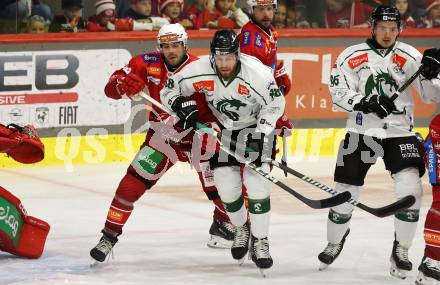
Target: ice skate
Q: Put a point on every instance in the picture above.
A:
(240, 245)
(104, 247)
(331, 252)
(400, 264)
(429, 272)
(222, 234)
(259, 253)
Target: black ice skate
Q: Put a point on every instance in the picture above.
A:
(259, 253)
(240, 246)
(222, 234)
(103, 248)
(400, 264)
(429, 272)
(331, 252)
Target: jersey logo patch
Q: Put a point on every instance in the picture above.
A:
(382, 83)
(243, 90)
(205, 85)
(228, 106)
(358, 60)
(399, 60)
(153, 70)
(151, 57)
(258, 40)
(246, 38)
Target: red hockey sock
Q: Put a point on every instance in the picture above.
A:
(432, 232)
(130, 189)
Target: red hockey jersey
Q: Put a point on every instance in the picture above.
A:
(153, 70)
(256, 42)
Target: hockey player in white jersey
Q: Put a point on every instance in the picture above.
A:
(362, 82)
(245, 99)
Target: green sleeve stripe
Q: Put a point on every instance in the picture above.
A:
(352, 54)
(199, 75)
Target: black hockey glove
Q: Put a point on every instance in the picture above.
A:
(382, 106)
(431, 63)
(187, 112)
(259, 143)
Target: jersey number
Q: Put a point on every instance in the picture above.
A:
(170, 84)
(334, 80)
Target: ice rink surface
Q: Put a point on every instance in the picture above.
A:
(164, 242)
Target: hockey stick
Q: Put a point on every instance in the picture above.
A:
(337, 199)
(381, 212)
(407, 83)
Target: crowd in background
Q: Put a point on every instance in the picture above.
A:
(40, 16)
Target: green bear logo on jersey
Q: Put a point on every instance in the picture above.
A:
(225, 105)
(380, 83)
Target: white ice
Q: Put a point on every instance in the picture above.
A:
(164, 241)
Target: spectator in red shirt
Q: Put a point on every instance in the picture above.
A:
(172, 10)
(193, 11)
(232, 16)
(208, 16)
(105, 14)
(347, 14)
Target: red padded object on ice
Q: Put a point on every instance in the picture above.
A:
(21, 143)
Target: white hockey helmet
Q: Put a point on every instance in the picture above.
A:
(253, 3)
(172, 33)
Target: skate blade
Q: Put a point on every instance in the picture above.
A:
(395, 272)
(218, 242)
(262, 272)
(323, 266)
(241, 260)
(423, 280)
(94, 263)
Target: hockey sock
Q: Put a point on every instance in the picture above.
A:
(259, 213)
(432, 232)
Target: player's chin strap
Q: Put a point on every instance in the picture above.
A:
(336, 199)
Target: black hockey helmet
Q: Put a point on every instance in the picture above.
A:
(385, 13)
(224, 42)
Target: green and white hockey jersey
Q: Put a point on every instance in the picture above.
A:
(362, 70)
(248, 98)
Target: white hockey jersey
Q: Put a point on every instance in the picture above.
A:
(251, 97)
(362, 70)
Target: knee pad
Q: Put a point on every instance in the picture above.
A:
(257, 186)
(407, 182)
(228, 182)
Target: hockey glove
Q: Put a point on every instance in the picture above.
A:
(282, 78)
(187, 112)
(21, 143)
(431, 63)
(283, 126)
(129, 85)
(382, 106)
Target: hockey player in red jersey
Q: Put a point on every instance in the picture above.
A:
(20, 234)
(258, 38)
(156, 155)
(429, 269)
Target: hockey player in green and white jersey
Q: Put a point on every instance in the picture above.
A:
(243, 96)
(362, 82)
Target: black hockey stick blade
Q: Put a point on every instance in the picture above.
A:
(317, 204)
(390, 209)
